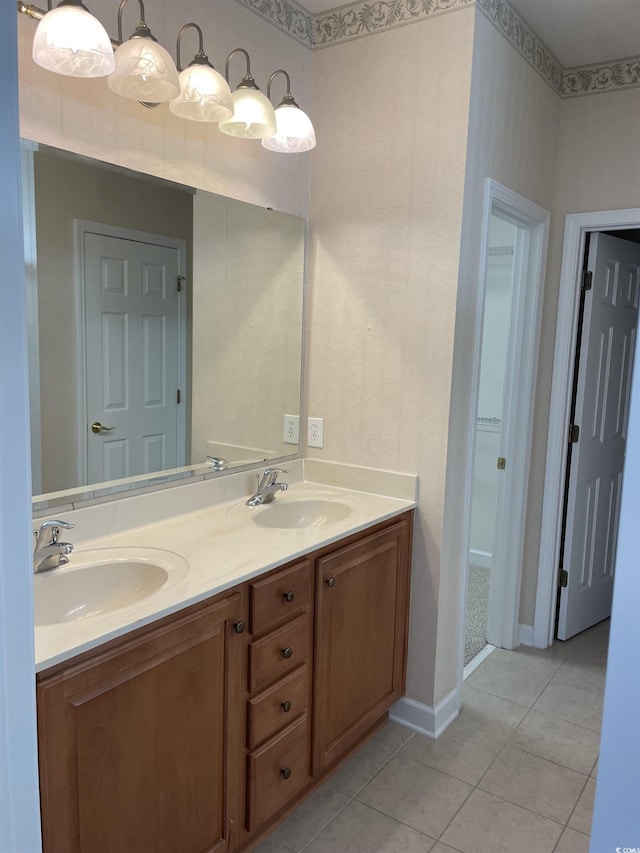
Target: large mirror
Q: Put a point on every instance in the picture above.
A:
(165, 328)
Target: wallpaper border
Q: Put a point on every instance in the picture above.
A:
(366, 17)
(286, 16)
(601, 77)
(526, 42)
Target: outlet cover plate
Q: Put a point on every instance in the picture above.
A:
(315, 432)
(291, 433)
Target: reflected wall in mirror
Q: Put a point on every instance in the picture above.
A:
(166, 325)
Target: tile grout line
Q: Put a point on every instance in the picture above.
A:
(352, 797)
(550, 760)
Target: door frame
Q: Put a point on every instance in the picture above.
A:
(526, 214)
(82, 227)
(577, 225)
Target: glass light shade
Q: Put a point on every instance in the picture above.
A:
(70, 41)
(294, 131)
(253, 115)
(204, 95)
(144, 72)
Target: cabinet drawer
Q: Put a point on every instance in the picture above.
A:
(278, 706)
(277, 771)
(279, 653)
(280, 596)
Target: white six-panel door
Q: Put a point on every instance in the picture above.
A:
(602, 409)
(132, 358)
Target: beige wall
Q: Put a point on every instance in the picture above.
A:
(66, 189)
(386, 205)
(597, 168)
(513, 126)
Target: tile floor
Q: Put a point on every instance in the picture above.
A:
(515, 772)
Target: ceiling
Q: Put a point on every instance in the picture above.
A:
(578, 32)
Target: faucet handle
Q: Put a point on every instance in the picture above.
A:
(55, 524)
(270, 475)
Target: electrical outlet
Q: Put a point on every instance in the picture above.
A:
(314, 432)
(291, 429)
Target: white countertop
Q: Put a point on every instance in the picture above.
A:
(223, 547)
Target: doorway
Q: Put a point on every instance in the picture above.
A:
(601, 387)
(511, 281)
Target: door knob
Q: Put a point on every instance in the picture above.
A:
(287, 653)
(97, 427)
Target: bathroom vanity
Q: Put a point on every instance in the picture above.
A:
(200, 730)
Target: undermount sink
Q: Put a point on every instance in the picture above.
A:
(310, 512)
(103, 580)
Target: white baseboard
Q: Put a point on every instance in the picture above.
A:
(424, 719)
(525, 635)
(480, 558)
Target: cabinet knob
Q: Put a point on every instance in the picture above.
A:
(285, 772)
(287, 652)
(331, 582)
(286, 706)
(239, 627)
(289, 596)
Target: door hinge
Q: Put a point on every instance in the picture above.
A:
(563, 578)
(574, 433)
(181, 278)
(502, 463)
(587, 280)
(178, 395)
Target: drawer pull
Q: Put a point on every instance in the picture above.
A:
(286, 706)
(331, 583)
(286, 772)
(238, 627)
(287, 652)
(289, 596)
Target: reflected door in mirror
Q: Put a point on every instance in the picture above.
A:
(132, 346)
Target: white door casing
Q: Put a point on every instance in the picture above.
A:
(506, 571)
(602, 411)
(133, 352)
(576, 227)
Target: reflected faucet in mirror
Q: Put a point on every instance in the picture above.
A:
(49, 552)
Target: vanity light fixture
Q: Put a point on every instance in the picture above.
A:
(253, 116)
(294, 131)
(70, 41)
(144, 70)
(204, 93)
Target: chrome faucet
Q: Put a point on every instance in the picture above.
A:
(267, 487)
(49, 552)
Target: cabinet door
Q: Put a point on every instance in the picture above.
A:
(362, 595)
(140, 747)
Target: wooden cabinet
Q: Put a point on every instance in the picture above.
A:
(190, 736)
(279, 701)
(361, 618)
(135, 743)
